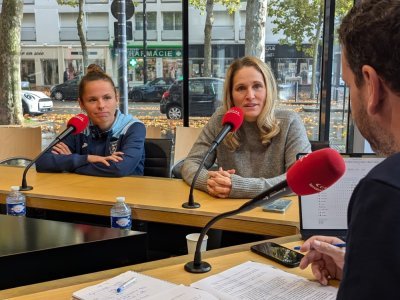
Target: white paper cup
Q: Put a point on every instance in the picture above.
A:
(192, 239)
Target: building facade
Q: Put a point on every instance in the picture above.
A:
(51, 51)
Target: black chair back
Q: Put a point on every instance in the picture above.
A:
(158, 157)
(317, 145)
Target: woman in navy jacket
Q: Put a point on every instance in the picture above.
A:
(113, 143)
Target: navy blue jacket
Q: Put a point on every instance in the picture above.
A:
(372, 261)
(127, 135)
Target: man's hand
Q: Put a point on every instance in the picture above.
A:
(115, 157)
(219, 183)
(61, 148)
(326, 259)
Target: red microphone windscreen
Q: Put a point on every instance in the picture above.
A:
(79, 122)
(233, 116)
(315, 172)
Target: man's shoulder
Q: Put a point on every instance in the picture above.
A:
(388, 171)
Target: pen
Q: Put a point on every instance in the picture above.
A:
(126, 284)
(336, 245)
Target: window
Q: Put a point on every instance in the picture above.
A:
(50, 71)
(28, 70)
(68, 30)
(151, 21)
(172, 20)
(28, 31)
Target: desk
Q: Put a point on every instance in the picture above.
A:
(151, 198)
(33, 250)
(170, 269)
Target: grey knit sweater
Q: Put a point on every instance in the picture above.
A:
(258, 167)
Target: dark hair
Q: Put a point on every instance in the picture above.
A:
(94, 72)
(94, 67)
(370, 35)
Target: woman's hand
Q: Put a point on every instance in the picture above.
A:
(115, 157)
(326, 259)
(61, 148)
(219, 183)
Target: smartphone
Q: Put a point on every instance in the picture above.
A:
(278, 253)
(279, 205)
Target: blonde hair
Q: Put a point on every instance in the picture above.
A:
(266, 121)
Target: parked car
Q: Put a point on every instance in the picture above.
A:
(67, 90)
(35, 103)
(151, 91)
(205, 95)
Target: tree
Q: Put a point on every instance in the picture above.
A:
(10, 61)
(300, 21)
(208, 7)
(79, 26)
(256, 14)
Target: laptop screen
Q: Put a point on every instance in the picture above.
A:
(325, 213)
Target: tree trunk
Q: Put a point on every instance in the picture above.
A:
(10, 62)
(256, 14)
(316, 52)
(82, 38)
(207, 38)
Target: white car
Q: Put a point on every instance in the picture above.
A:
(36, 103)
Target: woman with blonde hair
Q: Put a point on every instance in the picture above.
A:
(256, 156)
(113, 143)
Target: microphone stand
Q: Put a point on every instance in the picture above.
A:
(270, 195)
(214, 145)
(191, 203)
(24, 186)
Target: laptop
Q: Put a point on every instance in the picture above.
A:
(325, 213)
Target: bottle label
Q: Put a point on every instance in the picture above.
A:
(121, 222)
(16, 209)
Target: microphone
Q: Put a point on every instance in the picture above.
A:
(311, 174)
(75, 125)
(231, 121)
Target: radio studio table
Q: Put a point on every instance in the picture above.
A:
(152, 199)
(170, 269)
(34, 250)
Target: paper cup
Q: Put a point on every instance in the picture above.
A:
(192, 239)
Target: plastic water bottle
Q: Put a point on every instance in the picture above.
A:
(121, 215)
(16, 202)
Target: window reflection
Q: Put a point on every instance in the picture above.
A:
(297, 70)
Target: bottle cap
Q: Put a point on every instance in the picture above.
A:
(15, 188)
(119, 199)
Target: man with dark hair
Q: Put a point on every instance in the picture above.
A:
(369, 268)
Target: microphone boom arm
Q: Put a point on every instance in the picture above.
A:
(198, 266)
(24, 186)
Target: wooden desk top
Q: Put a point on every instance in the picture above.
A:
(151, 198)
(170, 269)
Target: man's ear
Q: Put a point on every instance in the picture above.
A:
(374, 90)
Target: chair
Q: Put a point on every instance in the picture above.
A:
(158, 157)
(185, 137)
(20, 142)
(317, 145)
(16, 161)
(153, 132)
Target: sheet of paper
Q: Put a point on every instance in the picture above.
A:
(182, 292)
(252, 280)
(142, 288)
(328, 209)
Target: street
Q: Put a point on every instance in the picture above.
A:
(149, 113)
